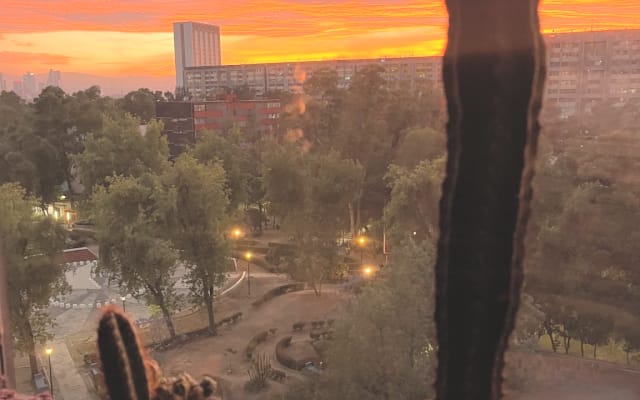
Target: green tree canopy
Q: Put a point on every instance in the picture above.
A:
(32, 247)
(120, 148)
(197, 221)
(130, 217)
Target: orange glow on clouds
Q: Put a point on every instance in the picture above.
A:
(134, 37)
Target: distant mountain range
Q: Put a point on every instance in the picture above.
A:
(115, 86)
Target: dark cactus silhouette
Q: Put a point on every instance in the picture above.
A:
(130, 374)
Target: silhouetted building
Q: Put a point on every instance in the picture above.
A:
(184, 121)
(54, 78)
(18, 88)
(195, 44)
(3, 83)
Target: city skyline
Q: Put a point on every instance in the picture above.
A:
(121, 40)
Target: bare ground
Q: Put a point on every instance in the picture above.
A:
(223, 355)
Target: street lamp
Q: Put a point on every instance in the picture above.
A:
(362, 242)
(237, 233)
(124, 303)
(48, 351)
(247, 256)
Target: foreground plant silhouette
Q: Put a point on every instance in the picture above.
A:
(130, 374)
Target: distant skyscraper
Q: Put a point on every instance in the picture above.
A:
(29, 85)
(3, 83)
(18, 88)
(195, 45)
(54, 78)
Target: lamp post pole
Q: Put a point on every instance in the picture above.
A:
(124, 303)
(49, 351)
(247, 256)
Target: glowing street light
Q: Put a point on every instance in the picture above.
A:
(237, 233)
(367, 271)
(48, 351)
(247, 256)
(362, 242)
(124, 303)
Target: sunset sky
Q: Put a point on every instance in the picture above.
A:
(134, 37)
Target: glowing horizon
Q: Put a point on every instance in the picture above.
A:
(134, 37)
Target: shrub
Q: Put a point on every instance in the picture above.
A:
(254, 342)
(279, 251)
(278, 291)
(284, 358)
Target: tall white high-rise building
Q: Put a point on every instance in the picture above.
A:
(195, 45)
(3, 83)
(30, 86)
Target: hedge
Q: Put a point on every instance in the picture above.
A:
(254, 342)
(286, 360)
(278, 291)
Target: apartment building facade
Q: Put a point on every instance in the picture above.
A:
(185, 121)
(583, 68)
(208, 82)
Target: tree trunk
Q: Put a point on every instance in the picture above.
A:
(581, 348)
(553, 343)
(167, 319)
(627, 357)
(352, 221)
(567, 344)
(68, 179)
(33, 362)
(595, 347)
(358, 212)
(209, 302)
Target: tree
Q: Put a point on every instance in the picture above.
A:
(412, 210)
(32, 247)
(594, 330)
(196, 225)
(140, 103)
(120, 148)
(24, 156)
(226, 148)
(64, 121)
(630, 336)
(310, 193)
(384, 347)
(130, 217)
(420, 144)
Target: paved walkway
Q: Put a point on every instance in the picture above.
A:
(67, 382)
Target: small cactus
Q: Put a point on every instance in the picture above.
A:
(259, 373)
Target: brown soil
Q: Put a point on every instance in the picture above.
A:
(224, 355)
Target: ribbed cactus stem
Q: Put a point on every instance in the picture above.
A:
(122, 357)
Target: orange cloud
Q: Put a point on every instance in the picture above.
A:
(125, 37)
(32, 61)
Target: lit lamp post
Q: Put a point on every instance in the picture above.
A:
(124, 303)
(236, 233)
(362, 242)
(48, 351)
(247, 256)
